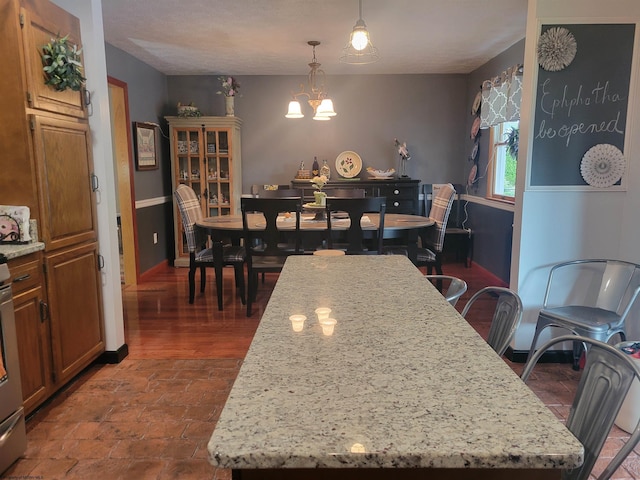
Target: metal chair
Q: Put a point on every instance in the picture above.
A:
(506, 315)
(356, 208)
(607, 376)
(592, 298)
(265, 252)
(455, 287)
(200, 257)
(430, 254)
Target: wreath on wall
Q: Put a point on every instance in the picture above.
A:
(62, 64)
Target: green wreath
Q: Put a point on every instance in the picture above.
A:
(61, 64)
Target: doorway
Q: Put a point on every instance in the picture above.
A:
(123, 165)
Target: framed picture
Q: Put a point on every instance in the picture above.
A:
(146, 146)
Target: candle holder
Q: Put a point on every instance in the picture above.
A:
(328, 325)
(297, 322)
(323, 313)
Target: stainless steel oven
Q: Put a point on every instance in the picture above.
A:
(13, 437)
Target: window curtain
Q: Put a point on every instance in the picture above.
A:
(501, 98)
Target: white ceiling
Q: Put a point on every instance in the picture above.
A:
(269, 37)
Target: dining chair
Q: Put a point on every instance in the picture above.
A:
(453, 287)
(265, 251)
(432, 238)
(201, 256)
(604, 383)
(356, 208)
(507, 314)
(592, 298)
(281, 193)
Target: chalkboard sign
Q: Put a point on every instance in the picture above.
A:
(583, 104)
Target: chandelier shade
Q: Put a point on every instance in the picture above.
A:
(317, 96)
(359, 50)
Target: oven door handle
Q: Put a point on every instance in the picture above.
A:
(5, 436)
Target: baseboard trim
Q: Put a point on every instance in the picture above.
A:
(551, 356)
(153, 270)
(116, 356)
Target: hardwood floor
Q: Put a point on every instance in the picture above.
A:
(151, 415)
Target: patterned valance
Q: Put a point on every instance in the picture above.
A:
(501, 98)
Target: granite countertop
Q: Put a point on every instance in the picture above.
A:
(15, 251)
(403, 382)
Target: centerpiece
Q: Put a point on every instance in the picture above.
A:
(318, 183)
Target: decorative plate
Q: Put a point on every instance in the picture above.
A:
(474, 151)
(475, 108)
(475, 128)
(379, 174)
(314, 206)
(348, 164)
(602, 166)
(472, 175)
(557, 48)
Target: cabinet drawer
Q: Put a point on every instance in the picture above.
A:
(25, 275)
(397, 205)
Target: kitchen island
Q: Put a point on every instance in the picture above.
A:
(402, 388)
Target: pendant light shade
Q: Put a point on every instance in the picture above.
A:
(295, 110)
(359, 50)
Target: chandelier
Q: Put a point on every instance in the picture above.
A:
(317, 96)
(359, 50)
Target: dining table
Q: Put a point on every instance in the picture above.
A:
(359, 368)
(401, 228)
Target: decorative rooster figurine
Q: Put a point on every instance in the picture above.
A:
(404, 156)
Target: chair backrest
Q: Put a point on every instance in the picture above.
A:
(356, 208)
(506, 315)
(281, 193)
(611, 285)
(346, 193)
(190, 211)
(439, 213)
(605, 380)
(452, 288)
(268, 240)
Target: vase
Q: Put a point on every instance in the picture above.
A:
(229, 105)
(320, 197)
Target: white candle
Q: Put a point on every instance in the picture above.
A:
(297, 322)
(323, 313)
(328, 325)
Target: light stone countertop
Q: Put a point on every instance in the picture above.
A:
(403, 378)
(15, 251)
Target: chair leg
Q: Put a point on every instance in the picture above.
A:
(252, 279)
(192, 284)
(218, 270)
(239, 269)
(203, 278)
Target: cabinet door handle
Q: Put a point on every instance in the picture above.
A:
(87, 97)
(22, 278)
(44, 311)
(100, 262)
(396, 204)
(396, 192)
(95, 184)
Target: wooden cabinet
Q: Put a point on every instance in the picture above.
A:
(47, 148)
(205, 154)
(402, 194)
(32, 330)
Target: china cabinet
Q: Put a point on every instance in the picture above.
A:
(205, 155)
(47, 148)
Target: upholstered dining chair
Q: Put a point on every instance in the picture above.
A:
(603, 386)
(200, 256)
(432, 238)
(593, 298)
(507, 313)
(452, 288)
(265, 251)
(356, 208)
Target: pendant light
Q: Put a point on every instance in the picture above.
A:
(359, 50)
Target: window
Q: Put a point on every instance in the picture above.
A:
(502, 163)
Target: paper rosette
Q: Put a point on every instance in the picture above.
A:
(556, 49)
(602, 166)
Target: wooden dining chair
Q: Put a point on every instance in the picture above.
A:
(265, 250)
(200, 256)
(432, 238)
(356, 208)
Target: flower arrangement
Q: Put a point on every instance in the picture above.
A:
(230, 86)
(319, 182)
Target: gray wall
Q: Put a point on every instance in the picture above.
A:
(426, 111)
(147, 90)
